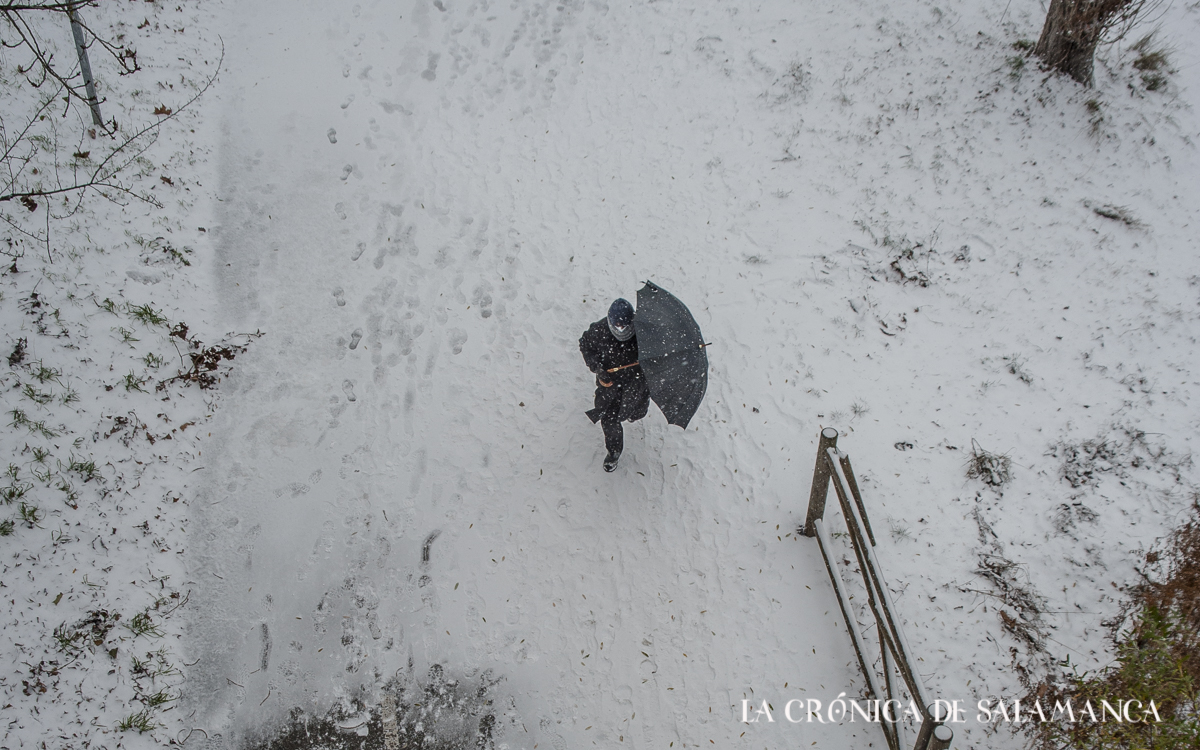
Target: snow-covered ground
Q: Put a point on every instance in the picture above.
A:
(883, 222)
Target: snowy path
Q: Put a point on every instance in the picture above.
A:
(881, 226)
(497, 177)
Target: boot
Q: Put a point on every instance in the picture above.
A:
(610, 461)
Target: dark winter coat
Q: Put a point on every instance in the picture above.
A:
(628, 398)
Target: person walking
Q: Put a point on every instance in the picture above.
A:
(610, 350)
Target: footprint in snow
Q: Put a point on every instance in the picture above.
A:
(349, 99)
(355, 338)
(431, 71)
(348, 389)
(358, 251)
(403, 241)
(336, 407)
(425, 548)
(265, 654)
(648, 668)
(482, 298)
(340, 295)
(391, 107)
(458, 337)
(340, 210)
(296, 488)
(346, 170)
(428, 595)
(332, 135)
(547, 725)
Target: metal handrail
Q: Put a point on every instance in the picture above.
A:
(899, 644)
(833, 466)
(840, 589)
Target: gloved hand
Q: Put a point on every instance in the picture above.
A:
(600, 380)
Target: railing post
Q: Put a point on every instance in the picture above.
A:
(942, 735)
(933, 735)
(844, 460)
(85, 67)
(820, 483)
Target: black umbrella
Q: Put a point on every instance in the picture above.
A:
(671, 352)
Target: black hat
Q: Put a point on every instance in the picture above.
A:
(620, 319)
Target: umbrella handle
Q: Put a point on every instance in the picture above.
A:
(635, 364)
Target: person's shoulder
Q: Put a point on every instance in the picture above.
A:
(594, 335)
(598, 328)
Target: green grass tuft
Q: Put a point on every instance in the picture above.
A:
(146, 315)
(43, 374)
(140, 721)
(127, 336)
(143, 624)
(36, 396)
(154, 361)
(85, 469)
(133, 383)
(29, 514)
(1016, 64)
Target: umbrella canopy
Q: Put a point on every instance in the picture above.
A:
(671, 352)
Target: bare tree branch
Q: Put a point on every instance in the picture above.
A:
(65, 5)
(43, 61)
(119, 158)
(35, 170)
(9, 146)
(124, 56)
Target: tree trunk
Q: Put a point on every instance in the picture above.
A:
(1073, 29)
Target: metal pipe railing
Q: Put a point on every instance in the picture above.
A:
(898, 642)
(844, 605)
(833, 466)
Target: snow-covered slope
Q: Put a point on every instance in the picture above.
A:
(97, 457)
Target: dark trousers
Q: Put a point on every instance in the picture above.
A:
(614, 436)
